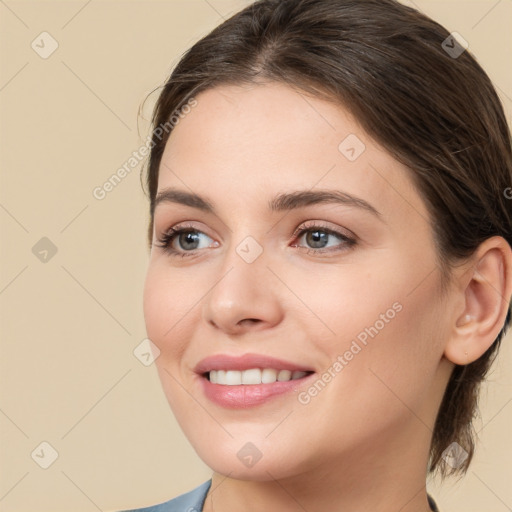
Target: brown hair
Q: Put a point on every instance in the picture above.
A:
(435, 111)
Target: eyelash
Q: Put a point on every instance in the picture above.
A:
(168, 237)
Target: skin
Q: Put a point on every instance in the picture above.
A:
(362, 442)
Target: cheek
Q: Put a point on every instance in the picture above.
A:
(165, 308)
(394, 372)
(166, 303)
(339, 303)
(387, 369)
(388, 330)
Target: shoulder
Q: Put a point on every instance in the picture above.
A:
(191, 501)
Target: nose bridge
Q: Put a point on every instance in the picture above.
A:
(245, 254)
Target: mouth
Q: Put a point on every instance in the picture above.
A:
(249, 380)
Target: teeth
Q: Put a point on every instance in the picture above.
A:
(253, 376)
(268, 376)
(284, 375)
(233, 378)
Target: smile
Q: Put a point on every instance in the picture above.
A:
(248, 380)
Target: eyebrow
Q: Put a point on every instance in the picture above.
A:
(281, 202)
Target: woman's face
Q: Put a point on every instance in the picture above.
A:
(307, 255)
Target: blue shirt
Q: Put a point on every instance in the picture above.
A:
(193, 501)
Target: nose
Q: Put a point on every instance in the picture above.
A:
(243, 297)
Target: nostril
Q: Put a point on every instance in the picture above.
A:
(251, 320)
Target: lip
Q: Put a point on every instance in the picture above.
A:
(245, 396)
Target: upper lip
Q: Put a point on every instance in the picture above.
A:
(246, 362)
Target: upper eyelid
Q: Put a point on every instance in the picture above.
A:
(324, 225)
(308, 225)
(185, 226)
(305, 225)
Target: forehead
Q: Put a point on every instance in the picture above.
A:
(243, 144)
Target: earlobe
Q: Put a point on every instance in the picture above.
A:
(486, 302)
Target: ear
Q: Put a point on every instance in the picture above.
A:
(487, 290)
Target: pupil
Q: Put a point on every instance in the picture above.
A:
(189, 238)
(315, 237)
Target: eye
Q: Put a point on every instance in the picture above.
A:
(322, 239)
(186, 238)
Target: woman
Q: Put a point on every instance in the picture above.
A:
(331, 266)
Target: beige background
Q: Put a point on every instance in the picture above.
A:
(68, 375)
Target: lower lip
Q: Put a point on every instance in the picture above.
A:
(249, 395)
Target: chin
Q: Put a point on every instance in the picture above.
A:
(261, 471)
(262, 459)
